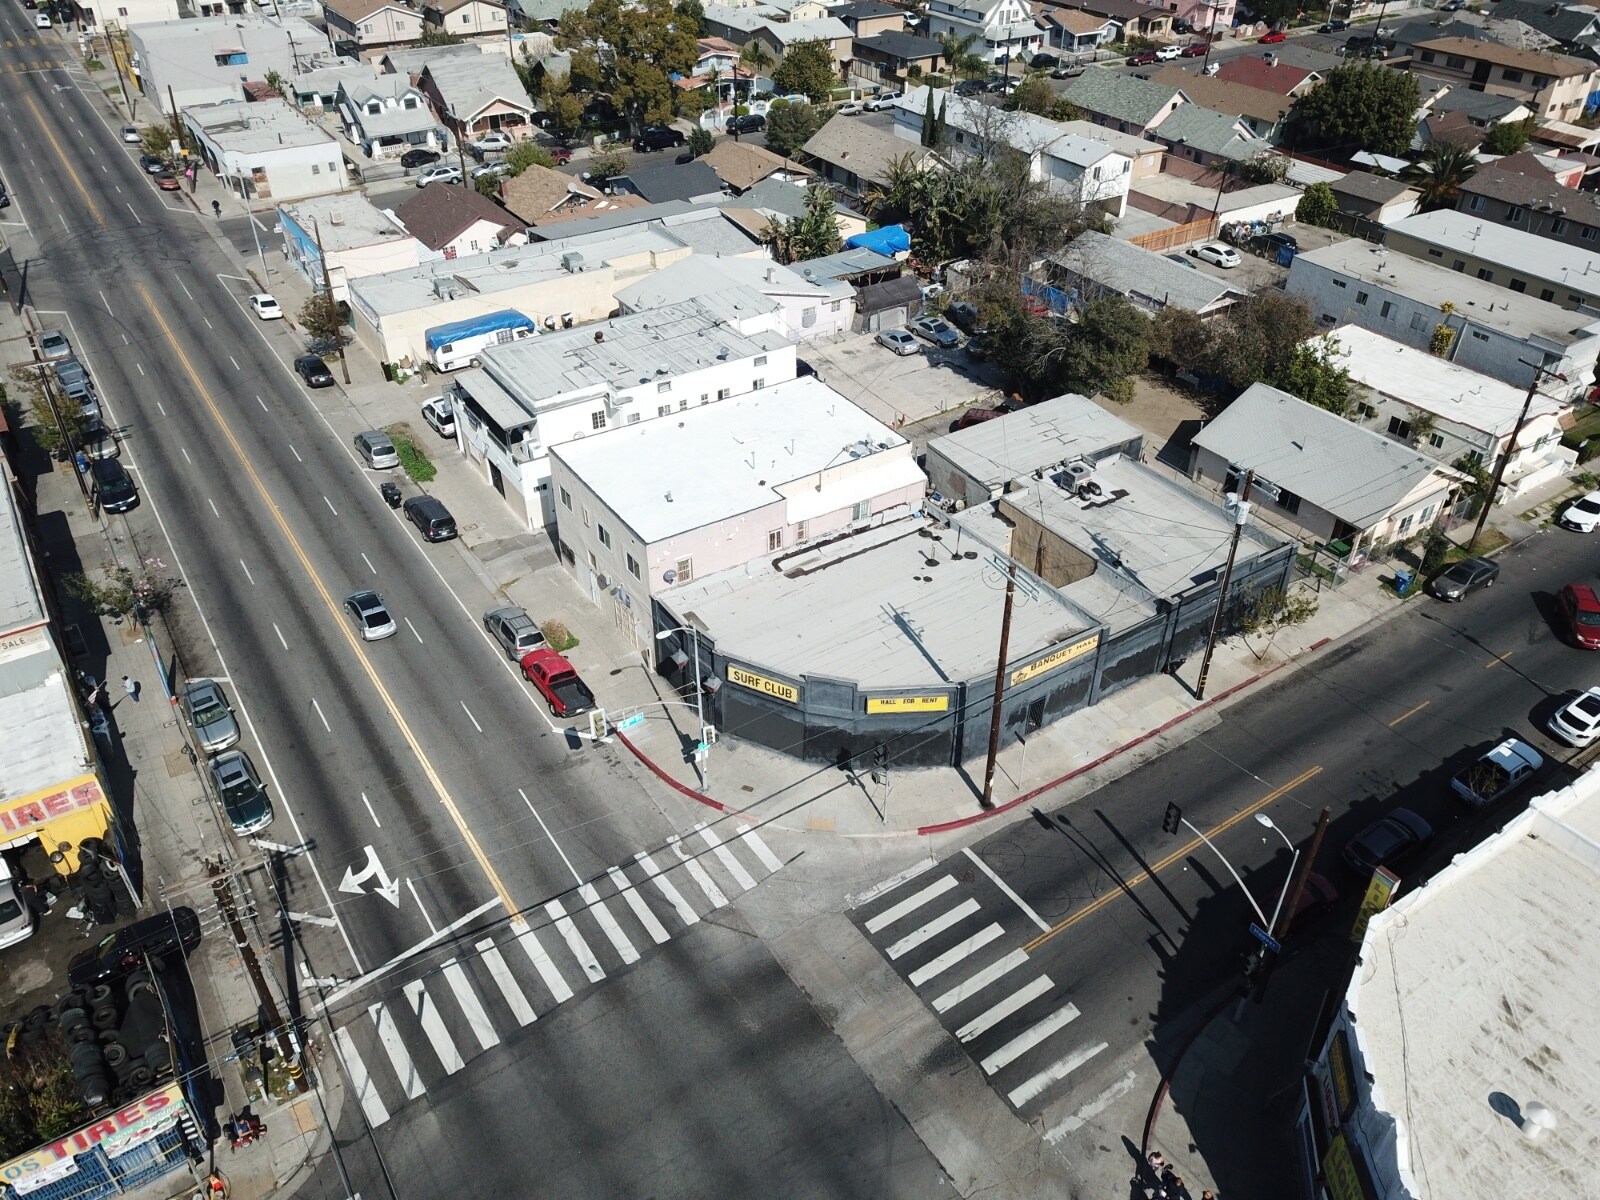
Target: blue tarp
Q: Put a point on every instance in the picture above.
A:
(506, 318)
(891, 239)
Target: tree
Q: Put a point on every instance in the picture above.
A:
(1110, 342)
(1269, 167)
(126, 592)
(1312, 373)
(156, 140)
(700, 141)
(524, 155)
(607, 164)
(1507, 137)
(47, 431)
(1317, 206)
(930, 123)
(813, 234)
(275, 82)
(439, 37)
(631, 46)
(1065, 110)
(959, 57)
(1479, 481)
(807, 69)
(755, 56)
(1357, 107)
(693, 15)
(790, 126)
(1441, 172)
(1270, 610)
(487, 186)
(1033, 95)
(321, 320)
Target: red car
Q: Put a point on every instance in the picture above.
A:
(1193, 50)
(558, 682)
(1580, 609)
(168, 182)
(1142, 59)
(1277, 35)
(561, 155)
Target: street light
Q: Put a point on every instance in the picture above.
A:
(1266, 821)
(702, 754)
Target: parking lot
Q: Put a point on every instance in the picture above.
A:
(900, 390)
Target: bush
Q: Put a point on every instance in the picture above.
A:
(413, 461)
(558, 636)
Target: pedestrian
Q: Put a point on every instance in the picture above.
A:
(131, 686)
(1156, 1161)
(216, 209)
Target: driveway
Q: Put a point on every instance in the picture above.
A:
(899, 390)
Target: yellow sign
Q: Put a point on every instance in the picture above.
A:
(28, 813)
(786, 692)
(898, 704)
(1339, 1171)
(1379, 892)
(1051, 661)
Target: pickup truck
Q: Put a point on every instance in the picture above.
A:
(1498, 773)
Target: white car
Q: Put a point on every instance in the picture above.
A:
(495, 169)
(131, 135)
(438, 173)
(41, 22)
(1577, 722)
(1167, 53)
(266, 308)
(1217, 254)
(371, 615)
(851, 108)
(492, 141)
(16, 918)
(881, 100)
(1582, 514)
(440, 415)
(898, 340)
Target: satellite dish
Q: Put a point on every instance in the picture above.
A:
(669, 576)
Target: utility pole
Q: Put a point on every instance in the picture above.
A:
(1286, 916)
(987, 801)
(1539, 373)
(333, 305)
(1241, 513)
(269, 1007)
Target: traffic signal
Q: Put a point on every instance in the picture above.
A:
(1169, 823)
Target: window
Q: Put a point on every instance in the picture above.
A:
(1288, 501)
(597, 420)
(1573, 300)
(1476, 204)
(861, 510)
(705, 397)
(1418, 321)
(834, 306)
(1366, 412)
(1436, 440)
(1514, 215)
(663, 388)
(1361, 297)
(724, 393)
(663, 410)
(605, 536)
(316, 168)
(633, 567)
(1427, 56)
(775, 540)
(410, 102)
(685, 569)
(1519, 285)
(1547, 294)
(757, 384)
(1455, 62)
(566, 499)
(1427, 514)
(633, 418)
(1475, 457)
(1590, 232)
(1387, 309)
(1405, 523)
(1480, 335)
(682, 404)
(1558, 227)
(761, 360)
(1485, 274)
(374, 108)
(1435, 253)
(1339, 283)
(1540, 81)
(586, 516)
(799, 531)
(1458, 265)
(808, 318)
(1511, 76)
(1400, 428)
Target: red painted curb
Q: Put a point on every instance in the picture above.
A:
(668, 779)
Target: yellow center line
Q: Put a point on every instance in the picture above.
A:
(1495, 662)
(333, 609)
(1409, 713)
(94, 209)
(1180, 853)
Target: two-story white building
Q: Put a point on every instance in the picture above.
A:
(386, 115)
(807, 309)
(266, 150)
(1003, 28)
(208, 60)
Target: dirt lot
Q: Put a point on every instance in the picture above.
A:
(1170, 415)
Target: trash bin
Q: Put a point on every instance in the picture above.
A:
(1403, 581)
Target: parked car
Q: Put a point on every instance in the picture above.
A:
(16, 918)
(851, 108)
(492, 142)
(210, 714)
(41, 22)
(1468, 575)
(1452, 5)
(561, 154)
(518, 634)
(1180, 259)
(882, 100)
(1042, 61)
(131, 135)
(1579, 608)
(420, 157)
(244, 800)
(1066, 71)
(70, 371)
(313, 370)
(113, 491)
(1194, 50)
(491, 169)
(53, 344)
(1583, 514)
(167, 181)
(1498, 773)
(431, 517)
(898, 340)
(970, 87)
(964, 314)
(266, 307)
(99, 442)
(373, 620)
(1143, 58)
(377, 450)
(754, 122)
(1218, 254)
(936, 330)
(1274, 37)
(152, 164)
(1167, 53)
(974, 416)
(440, 414)
(1577, 722)
(558, 682)
(658, 137)
(1387, 841)
(1334, 26)
(174, 932)
(977, 349)
(439, 173)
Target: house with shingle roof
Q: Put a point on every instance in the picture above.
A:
(1481, 108)
(1145, 20)
(857, 154)
(386, 115)
(1122, 102)
(372, 23)
(1203, 136)
(1570, 24)
(457, 221)
(474, 94)
(1272, 76)
(1002, 29)
(1096, 265)
(693, 181)
(538, 193)
(1555, 86)
(742, 165)
(897, 57)
(1263, 112)
(866, 18)
(1072, 29)
(466, 18)
(1520, 193)
(1375, 197)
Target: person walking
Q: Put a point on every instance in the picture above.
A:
(131, 686)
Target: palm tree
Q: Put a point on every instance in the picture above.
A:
(755, 56)
(1440, 174)
(959, 57)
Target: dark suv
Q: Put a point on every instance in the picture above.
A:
(749, 123)
(432, 518)
(657, 137)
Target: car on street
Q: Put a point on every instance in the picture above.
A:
(53, 344)
(371, 615)
(420, 157)
(266, 307)
(1577, 722)
(1167, 53)
(1143, 58)
(1194, 50)
(970, 87)
(658, 137)
(1334, 26)
(210, 714)
(440, 414)
(167, 181)
(41, 22)
(110, 486)
(1387, 841)
(70, 371)
(936, 330)
(898, 340)
(313, 370)
(439, 173)
(851, 108)
(1383, 32)
(558, 682)
(1498, 773)
(99, 442)
(753, 122)
(377, 450)
(518, 634)
(561, 154)
(1218, 254)
(491, 170)
(131, 135)
(1583, 514)
(174, 932)
(491, 142)
(1468, 575)
(152, 164)
(1181, 260)
(977, 349)
(431, 517)
(1043, 62)
(974, 416)
(1579, 609)
(1274, 37)
(244, 800)
(881, 100)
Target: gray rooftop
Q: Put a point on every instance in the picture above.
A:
(1032, 438)
(256, 128)
(21, 605)
(1343, 469)
(1130, 144)
(661, 182)
(502, 407)
(901, 45)
(411, 61)
(703, 227)
(1100, 90)
(1210, 133)
(227, 31)
(847, 263)
(325, 81)
(1150, 280)
(346, 222)
(1526, 254)
(468, 85)
(1365, 185)
(1480, 107)
(704, 276)
(863, 146)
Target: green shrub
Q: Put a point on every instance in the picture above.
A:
(417, 466)
(558, 636)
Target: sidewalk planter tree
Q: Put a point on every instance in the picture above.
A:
(1270, 611)
(321, 320)
(124, 592)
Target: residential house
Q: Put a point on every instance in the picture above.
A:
(1454, 128)
(316, 89)
(1205, 137)
(386, 115)
(1525, 196)
(1504, 255)
(1147, 156)
(409, 61)
(208, 60)
(1262, 112)
(693, 181)
(356, 238)
(1139, 19)
(474, 94)
(1004, 29)
(896, 58)
(266, 151)
(1121, 102)
(1573, 25)
(1481, 325)
(1566, 137)
(857, 155)
(1072, 30)
(1317, 477)
(714, 55)
(808, 309)
(1483, 109)
(777, 37)
(543, 15)
(1095, 265)
(100, 14)
(454, 222)
(537, 193)
(779, 199)
(1448, 412)
(1252, 71)
(868, 18)
(1554, 86)
(466, 18)
(1375, 197)
(742, 165)
(372, 24)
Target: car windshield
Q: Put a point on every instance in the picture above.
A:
(237, 787)
(1587, 616)
(10, 911)
(1460, 573)
(207, 710)
(1586, 505)
(1385, 840)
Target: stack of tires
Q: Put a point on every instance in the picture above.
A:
(92, 880)
(115, 1054)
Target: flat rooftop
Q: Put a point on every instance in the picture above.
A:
(346, 222)
(44, 742)
(713, 462)
(21, 605)
(1174, 189)
(899, 604)
(1040, 435)
(1480, 987)
(256, 128)
(1523, 254)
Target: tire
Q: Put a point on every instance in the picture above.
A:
(104, 1018)
(140, 1076)
(83, 1035)
(141, 987)
(553, 712)
(71, 1019)
(116, 1055)
(71, 1002)
(98, 996)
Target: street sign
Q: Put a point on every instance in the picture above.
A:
(1265, 938)
(629, 721)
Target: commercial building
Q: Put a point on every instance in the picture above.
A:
(807, 309)
(266, 150)
(208, 60)
(357, 239)
(1502, 255)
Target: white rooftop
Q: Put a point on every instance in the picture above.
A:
(226, 31)
(701, 274)
(21, 604)
(1130, 144)
(44, 741)
(1477, 990)
(1522, 254)
(346, 222)
(256, 128)
(1038, 436)
(714, 462)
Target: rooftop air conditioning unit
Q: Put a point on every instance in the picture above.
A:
(444, 289)
(1079, 471)
(572, 262)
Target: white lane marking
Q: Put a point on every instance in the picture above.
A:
(1004, 887)
(412, 888)
(932, 928)
(550, 835)
(159, 405)
(279, 632)
(1094, 1108)
(350, 986)
(482, 1027)
(209, 325)
(725, 856)
(507, 982)
(246, 571)
(263, 404)
(107, 303)
(954, 955)
(911, 903)
(399, 1056)
(186, 290)
(438, 1036)
(608, 923)
(657, 931)
(371, 1105)
(296, 453)
(213, 504)
(1054, 1073)
(990, 1017)
(753, 839)
(368, 561)
(129, 203)
(186, 457)
(1029, 1038)
(232, 359)
(575, 943)
(370, 812)
(665, 886)
(544, 964)
(698, 873)
(320, 717)
(888, 885)
(418, 636)
(969, 988)
(331, 508)
(464, 707)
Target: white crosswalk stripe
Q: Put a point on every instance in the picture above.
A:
(1028, 1039)
(698, 873)
(961, 950)
(1026, 994)
(910, 905)
(657, 931)
(1054, 1073)
(545, 965)
(477, 1019)
(399, 1058)
(427, 1013)
(591, 897)
(371, 1105)
(751, 838)
(684, 909)
(575, 943)
(933, 928)
(725, 857)
(969, 988)
(506, 982)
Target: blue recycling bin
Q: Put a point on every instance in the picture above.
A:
(1403, 581)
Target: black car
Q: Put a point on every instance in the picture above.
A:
(432, 518)
(963, 315)
(420, 157)
(749, 123)
(976, 348)
(1333, 26)
(971, 87)
(113, 490)
(1386, 842)
(1468, 575)
(314, 371)
(1040, 61)
(168, 933)
(5, 200)
(658, 137)
(152, 164)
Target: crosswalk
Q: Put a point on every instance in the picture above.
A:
(961, 947)
(432, 1027)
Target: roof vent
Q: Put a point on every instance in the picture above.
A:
(336, 218)
(599, 336)
(572, 262)
(444, 289)
(661, 368)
